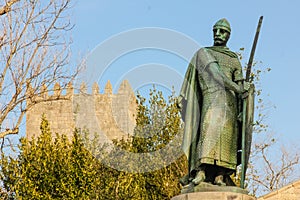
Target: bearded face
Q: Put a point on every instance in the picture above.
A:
(221, 37)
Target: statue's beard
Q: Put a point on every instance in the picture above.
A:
(219, 42)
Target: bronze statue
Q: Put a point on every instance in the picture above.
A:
(211, 101)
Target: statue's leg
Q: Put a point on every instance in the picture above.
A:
(219, 180)
(219, 177)
(223, 177)
(200, 176)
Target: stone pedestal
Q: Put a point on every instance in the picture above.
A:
(213, 196)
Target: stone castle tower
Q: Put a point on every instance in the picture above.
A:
(110, 115)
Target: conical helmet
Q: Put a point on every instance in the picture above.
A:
(223, 24)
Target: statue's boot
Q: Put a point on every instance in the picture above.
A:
(200, 177)
(219, 180)
(184, 180)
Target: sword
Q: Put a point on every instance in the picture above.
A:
(248, 76)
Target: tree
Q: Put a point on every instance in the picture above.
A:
(271, 166)
(48, 168)
(7, 7)
(34, 51)
(157, 162)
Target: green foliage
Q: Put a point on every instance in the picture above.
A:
(156, 163)
(77, 168)
(50, 168)
(157, 124)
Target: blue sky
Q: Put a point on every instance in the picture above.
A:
(278, 48)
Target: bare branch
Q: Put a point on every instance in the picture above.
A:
(273, 172)
(5, 9)
(34, 52)
(9, 132)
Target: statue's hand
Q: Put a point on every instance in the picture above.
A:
(246, 86)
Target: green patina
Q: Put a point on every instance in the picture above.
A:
(211, 106)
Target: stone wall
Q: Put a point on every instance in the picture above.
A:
(289, 192)
(110, 115)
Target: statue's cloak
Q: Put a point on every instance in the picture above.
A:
(190, 99)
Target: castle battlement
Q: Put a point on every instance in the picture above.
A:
(110, 115)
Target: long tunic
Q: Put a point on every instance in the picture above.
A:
(211, 136)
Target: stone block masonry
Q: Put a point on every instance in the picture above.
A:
(289, 192)
(110, 115)
(213, 196)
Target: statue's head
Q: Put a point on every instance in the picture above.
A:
(221, 32)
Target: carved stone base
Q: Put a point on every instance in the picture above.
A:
(207, 187)
(213, 196)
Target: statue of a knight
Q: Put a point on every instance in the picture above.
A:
(211, 107)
